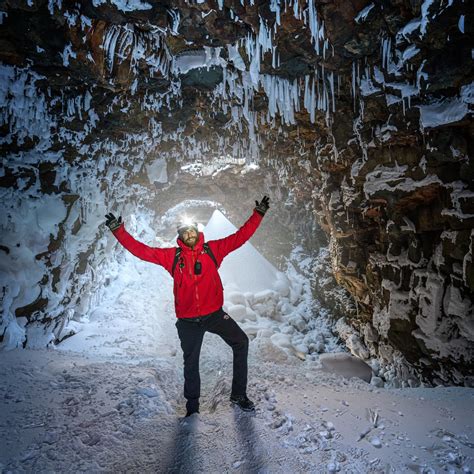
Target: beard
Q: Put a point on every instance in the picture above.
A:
(190, 240)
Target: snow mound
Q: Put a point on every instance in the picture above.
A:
(346, 365)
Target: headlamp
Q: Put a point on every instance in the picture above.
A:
(187, 224)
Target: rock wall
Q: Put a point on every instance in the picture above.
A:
(359, 116)
(399, 206)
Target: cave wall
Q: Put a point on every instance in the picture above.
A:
(362, 111)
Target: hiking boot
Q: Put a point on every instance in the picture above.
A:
(243, 402)
(191, 412)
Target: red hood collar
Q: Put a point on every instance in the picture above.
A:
(199, 244)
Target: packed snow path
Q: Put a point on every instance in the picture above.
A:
(66, 412)
(111, 400)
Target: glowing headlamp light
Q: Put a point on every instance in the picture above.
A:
(187, 224)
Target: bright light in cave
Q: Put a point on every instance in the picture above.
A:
(187, 221)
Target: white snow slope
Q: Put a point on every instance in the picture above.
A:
(110, 400)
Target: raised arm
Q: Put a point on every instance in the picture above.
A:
(163, 257)
(223, 247)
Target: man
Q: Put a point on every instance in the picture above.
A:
(199, 297)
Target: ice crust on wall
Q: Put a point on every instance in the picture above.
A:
(22, 107)
(448, 110)
(157, 171)
(29, 262)
(415, 296)
(77, 214)
(125, 5)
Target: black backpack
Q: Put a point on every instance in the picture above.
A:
(206, 248)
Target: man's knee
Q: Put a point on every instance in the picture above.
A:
(191, 358)
(243, 341)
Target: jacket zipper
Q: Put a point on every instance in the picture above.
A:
(195, 282)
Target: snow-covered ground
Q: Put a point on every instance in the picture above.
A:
(71, 412)
(110, 397)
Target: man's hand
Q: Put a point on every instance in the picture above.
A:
(262, 206)
(112, 222)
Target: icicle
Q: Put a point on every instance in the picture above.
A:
(321, 32)
(109, 46)
(296, 10)
(255, 66)
(386, 52)
(70, 108)
(354, 83)
(295, 95)
(175, 17)
(324, 100)
(275, 7)
(313, 24)
(331, 83)
(306, 99)
(87, 101)
(125, 41)
(78, 104)
(264, 37)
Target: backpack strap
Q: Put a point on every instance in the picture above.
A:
(208, 250)
(176, 258)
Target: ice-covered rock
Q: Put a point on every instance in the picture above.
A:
(237, 312)
(376, 381)
(235, 297)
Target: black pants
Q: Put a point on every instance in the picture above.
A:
(191, 333)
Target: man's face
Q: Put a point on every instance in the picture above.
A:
(190, 237)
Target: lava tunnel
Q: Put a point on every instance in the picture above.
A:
(355, 119)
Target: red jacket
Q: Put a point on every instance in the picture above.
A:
(194, 295)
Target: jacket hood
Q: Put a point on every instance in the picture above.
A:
(199, 244)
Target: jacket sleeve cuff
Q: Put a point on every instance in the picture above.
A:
(119, 230)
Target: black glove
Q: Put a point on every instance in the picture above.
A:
(263, 206)
(112, 222)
